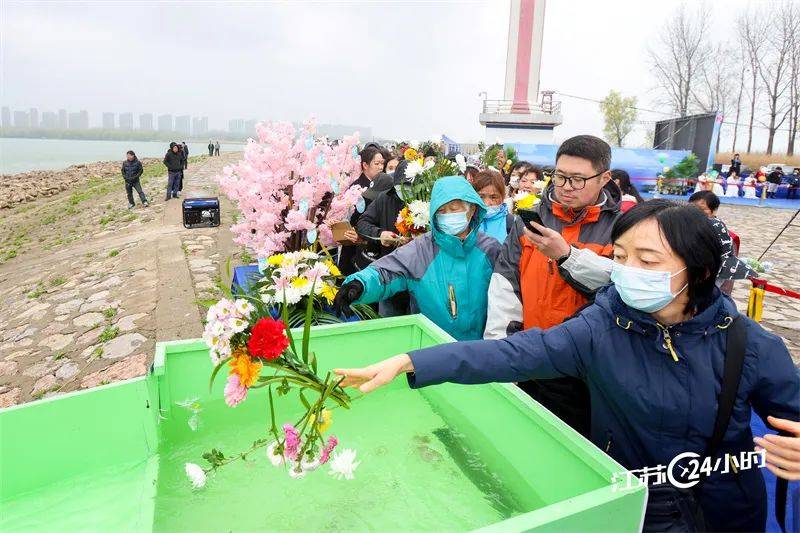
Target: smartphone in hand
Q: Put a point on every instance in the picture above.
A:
(528, 216)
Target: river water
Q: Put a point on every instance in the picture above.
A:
(22, 155)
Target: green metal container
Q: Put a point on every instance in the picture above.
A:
(448, 457)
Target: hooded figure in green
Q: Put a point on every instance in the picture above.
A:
(446, 270)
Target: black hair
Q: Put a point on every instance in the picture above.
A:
(691, 237)
(711, 199)
(625, 184)
(369, 152)
(614, 191)
(595, 149)
(131, 152)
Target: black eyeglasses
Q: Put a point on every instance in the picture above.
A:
(575, 182)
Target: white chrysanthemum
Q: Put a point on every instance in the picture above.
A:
(275, 459)
(244, 308)
(414, 144)
(308, 254)
(291, 295)
(196, 475)
(344, 464)
(461, 162)
(430, 163)
(420, 213)
(413, 168)
(238, 324)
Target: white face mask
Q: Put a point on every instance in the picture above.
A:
(645, 290)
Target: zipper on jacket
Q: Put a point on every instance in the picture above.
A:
(668, 341)
(451, 295)
(550, 266)
(608, 446)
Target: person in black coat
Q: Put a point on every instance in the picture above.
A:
(210, 148)
(173, 160)
(131, 172)
(371, 166)
(736, 165)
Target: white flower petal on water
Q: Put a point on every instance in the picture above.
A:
(194, 422)
(310, 464)
(344, 464)
(276, 460)
(196, 475)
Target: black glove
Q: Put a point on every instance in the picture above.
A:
(349, 293)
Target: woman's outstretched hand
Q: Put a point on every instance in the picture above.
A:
(369, 378)
(783, 453)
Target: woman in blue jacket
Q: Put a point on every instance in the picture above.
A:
(651, 350)
(446, 271)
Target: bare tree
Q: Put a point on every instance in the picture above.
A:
(680, 55)
(774, 67)
(794, 93)
(714, 91)
(739, 73)
(752, 27)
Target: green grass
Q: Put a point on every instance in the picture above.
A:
(97, 353)
(113, 253)
(55, 282)
(59, 356)
(246, 258)
(109, 333)
(49, 219)
(110, 312)
(37, 291)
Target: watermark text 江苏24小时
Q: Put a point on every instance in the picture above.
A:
(686, 469)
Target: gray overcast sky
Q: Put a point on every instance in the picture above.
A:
(407, 69)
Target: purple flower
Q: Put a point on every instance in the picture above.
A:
(292, 444)
(326, 452)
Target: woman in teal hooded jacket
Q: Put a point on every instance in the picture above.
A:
(446, 271)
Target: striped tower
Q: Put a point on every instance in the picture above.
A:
(521, 116)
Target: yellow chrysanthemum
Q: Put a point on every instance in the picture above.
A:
(527, 202)
(410, 154)
(326, 419)
(299, 283)
(328, 292)
(332, 268)
(275, 260)
(245, 368)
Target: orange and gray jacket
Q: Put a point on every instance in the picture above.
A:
(528, 289)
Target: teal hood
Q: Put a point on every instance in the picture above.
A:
(446, 190)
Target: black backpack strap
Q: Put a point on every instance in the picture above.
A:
(781, 491)
(731, 376)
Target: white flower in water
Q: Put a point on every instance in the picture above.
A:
(296, 471)
(310, 464)
(244, 308)
(275, 459)
(196, 475)
(343, 464)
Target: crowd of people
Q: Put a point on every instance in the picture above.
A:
(737, 184)
(607, 309)
(176, 160)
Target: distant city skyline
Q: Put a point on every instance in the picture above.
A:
(111, 120)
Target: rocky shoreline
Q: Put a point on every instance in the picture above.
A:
(16, 189)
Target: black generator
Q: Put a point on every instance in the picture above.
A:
(201, 212)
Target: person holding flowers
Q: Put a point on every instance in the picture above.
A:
(446, 270)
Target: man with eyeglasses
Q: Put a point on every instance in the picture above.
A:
(541, 280)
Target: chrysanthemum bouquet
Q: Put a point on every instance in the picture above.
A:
(259, 351)
(414, 219)
(524, 200)
(295, 277)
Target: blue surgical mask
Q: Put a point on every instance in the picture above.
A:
(492, 210)
(645, 290)
(452, 223)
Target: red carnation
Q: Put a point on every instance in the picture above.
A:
(268, 339)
